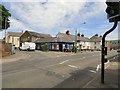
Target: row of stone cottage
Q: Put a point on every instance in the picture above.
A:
(62, 41)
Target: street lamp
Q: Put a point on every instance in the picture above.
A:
(76, 38)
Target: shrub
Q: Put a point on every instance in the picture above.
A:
(44, 47)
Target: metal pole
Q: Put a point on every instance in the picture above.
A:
(12, 44)
(76, 41)
(103, 46)
(5, 28)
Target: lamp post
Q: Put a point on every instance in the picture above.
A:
(13, 51)
(75, 41)
(76, 38)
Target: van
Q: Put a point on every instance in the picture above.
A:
(28, 46)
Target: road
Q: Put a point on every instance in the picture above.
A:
(48, 70)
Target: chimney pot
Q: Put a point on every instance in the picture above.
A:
(82, 35)
(68, 32)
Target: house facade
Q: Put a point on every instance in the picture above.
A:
(45, 41)
(66, 41)
(30, 36)
(95, 41)
(13, 37)
(108, 44)
(115, 44)
(83, 43)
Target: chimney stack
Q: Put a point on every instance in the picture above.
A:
(78, 34)
(68, 32)
(82, 35)
(96, 34)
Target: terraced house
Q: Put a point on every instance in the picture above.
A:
(95, 41)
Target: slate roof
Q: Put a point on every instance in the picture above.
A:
(17, 34)
(70, 38)
(83, 39)
(62, 37)
(45, 40)
(39, 35)
(95, 38)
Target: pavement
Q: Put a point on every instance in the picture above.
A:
(111, 78)
(15, 57)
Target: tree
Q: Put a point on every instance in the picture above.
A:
(4, 18)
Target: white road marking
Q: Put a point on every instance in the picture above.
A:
(64, 61)
(99, 66)
(92, 71)
(73, 66)
(84, 57)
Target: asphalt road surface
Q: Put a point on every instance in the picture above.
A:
(48, 70)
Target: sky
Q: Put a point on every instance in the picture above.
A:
(53, 16)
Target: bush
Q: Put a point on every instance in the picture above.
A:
(44, 47)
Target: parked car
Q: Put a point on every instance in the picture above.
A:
(28, 46)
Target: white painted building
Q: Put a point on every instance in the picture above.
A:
(95, 42)
(84, 43)
(13, 37)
